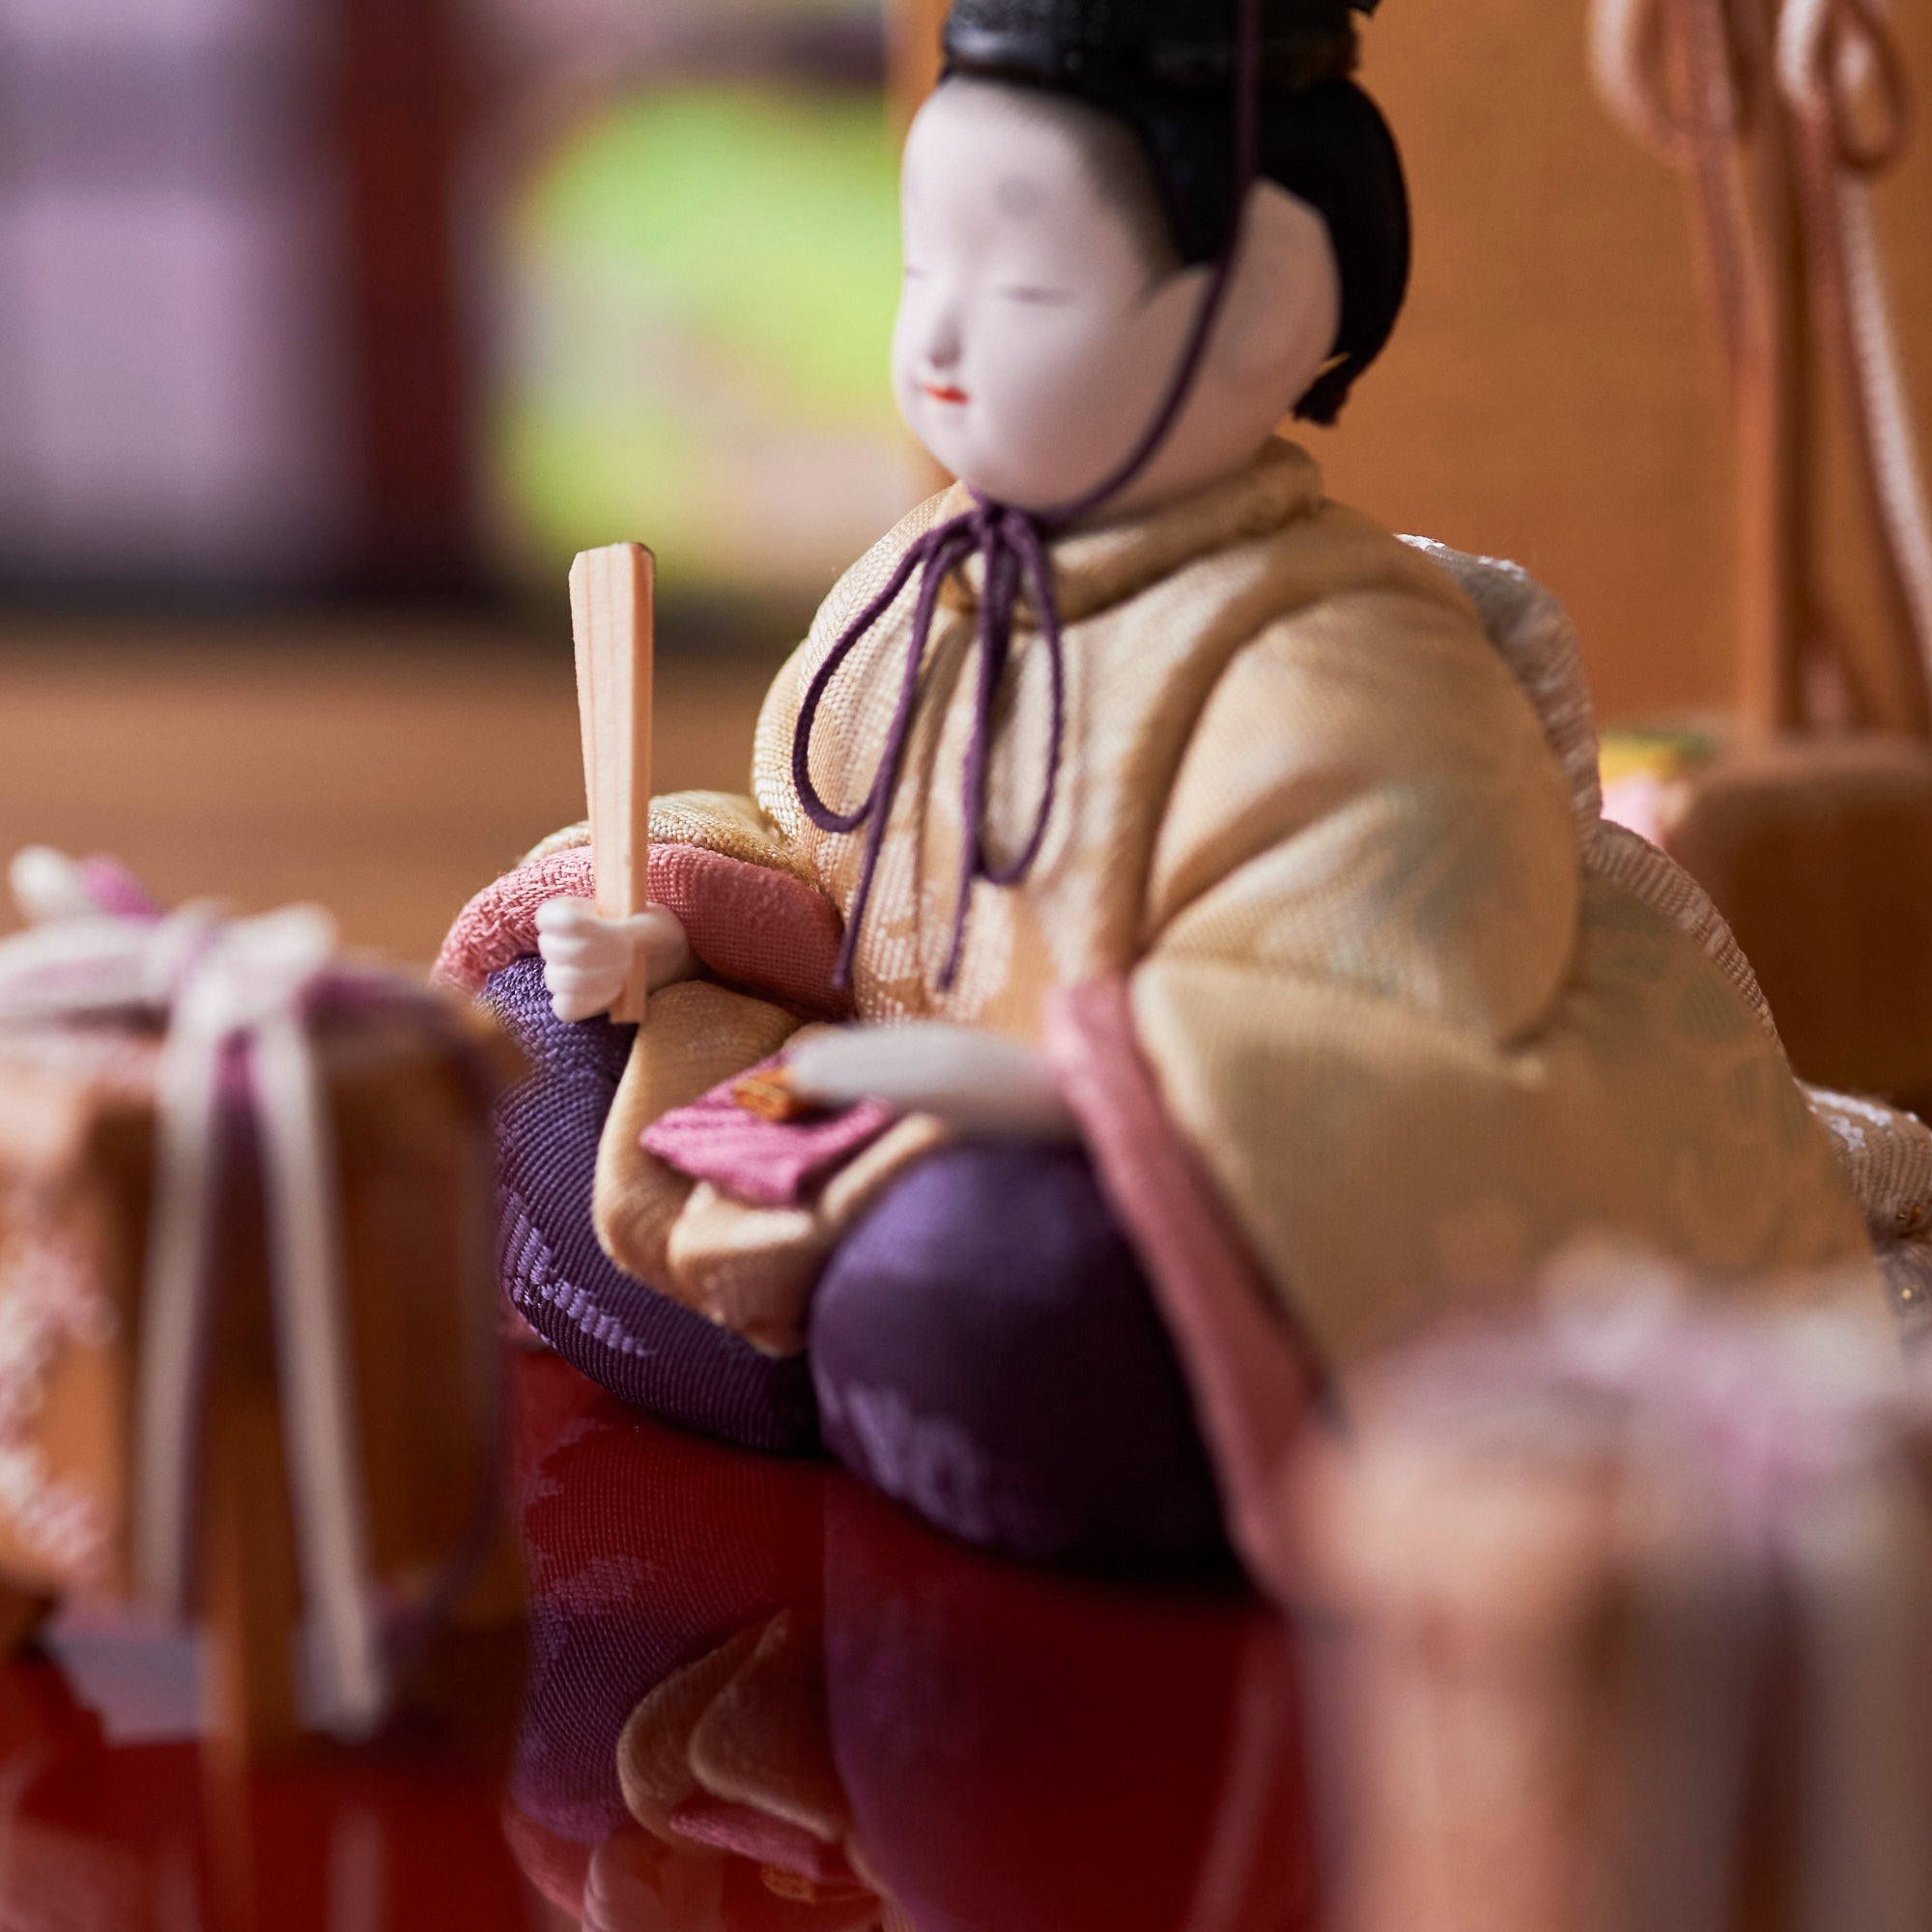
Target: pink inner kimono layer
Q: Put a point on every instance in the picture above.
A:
(770, 1163)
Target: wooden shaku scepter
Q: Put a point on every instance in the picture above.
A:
(610, 604)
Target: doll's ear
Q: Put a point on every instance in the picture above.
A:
(1285, 307)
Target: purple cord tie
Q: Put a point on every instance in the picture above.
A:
(1011, 542)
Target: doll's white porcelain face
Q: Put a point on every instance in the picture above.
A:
(1044, 313)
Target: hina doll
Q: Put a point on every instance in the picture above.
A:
(1234, 972)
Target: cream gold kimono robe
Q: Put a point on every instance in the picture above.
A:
(1310, 935)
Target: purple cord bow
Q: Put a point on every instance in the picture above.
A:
(1010, 542)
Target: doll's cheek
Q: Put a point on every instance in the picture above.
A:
(1055, 383)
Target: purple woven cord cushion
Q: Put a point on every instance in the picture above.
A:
(645, 1348)
(986, 1352)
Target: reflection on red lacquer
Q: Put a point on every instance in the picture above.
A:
(978, 1745)
(897, 1733)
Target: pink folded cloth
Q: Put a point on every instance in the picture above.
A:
(768, 1163)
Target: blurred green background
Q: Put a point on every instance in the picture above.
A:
(701, 284)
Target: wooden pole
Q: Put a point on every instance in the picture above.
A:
(611, 593)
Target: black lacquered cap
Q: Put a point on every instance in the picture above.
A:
(1175, 43)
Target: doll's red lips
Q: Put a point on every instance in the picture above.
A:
(945, 392)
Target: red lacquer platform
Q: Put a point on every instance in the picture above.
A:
(925, 1738)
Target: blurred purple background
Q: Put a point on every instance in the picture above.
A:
(311, 296)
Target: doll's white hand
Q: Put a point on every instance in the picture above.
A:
(587, 959)
(978, 1082)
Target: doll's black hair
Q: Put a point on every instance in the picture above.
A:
(1324, 141)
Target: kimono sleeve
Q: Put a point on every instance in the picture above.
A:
(1368, 804)
(1365, 893)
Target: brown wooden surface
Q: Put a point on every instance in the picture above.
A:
(388, 770)
(1817, 851)
(416, 1188)
(250, 1594)
(245, 1539)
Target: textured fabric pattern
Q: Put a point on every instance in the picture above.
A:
(1156, 611)
(1889, 1156)
(770, 1163)
(1255, 1378)
(1536, 639)
(499, 925)
(571, 838)
(748, 1267)
(645, 1550)
(1326, 827)
(1886, 1153)
(692, 1037)
(763, 929)
(753, 1269)
(620, 1332)
(985, 1351)
(726, 823)
(1620, 856)
(1315, 818)
(751, 926)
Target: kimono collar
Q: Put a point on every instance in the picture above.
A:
(1103, 564)
(1049, 582)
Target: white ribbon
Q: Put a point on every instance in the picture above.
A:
(232, 991)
